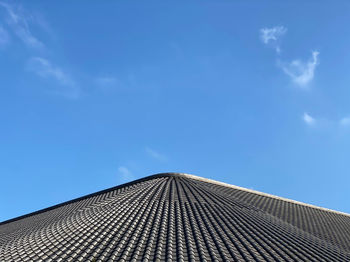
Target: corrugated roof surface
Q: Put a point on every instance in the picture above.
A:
(176, 217)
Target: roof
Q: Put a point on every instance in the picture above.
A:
(173, 216)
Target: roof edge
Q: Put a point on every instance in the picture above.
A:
(88, 195)
(259, 193)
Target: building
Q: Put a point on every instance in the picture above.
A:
(177, 217)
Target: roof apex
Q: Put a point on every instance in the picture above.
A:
(172, 174)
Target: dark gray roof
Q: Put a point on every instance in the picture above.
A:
(177, 217)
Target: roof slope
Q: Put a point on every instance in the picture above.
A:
(177, 217)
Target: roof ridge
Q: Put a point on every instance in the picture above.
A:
(259, 193)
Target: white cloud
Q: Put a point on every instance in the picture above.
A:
(272, 36)
(155, 154)
(308, 119)
(345, 121)
(4, 37)
(301, 72)
(125, 173)
(18, 21)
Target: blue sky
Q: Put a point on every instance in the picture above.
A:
(95, 94)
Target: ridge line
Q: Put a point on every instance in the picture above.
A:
(260, 193)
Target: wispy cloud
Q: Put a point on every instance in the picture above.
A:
(272, 36)
(309, 120)
(43, 68)
(18, 21)
(17, 25)
(345, 121)
(125, 173)
(106, 81)
(301, 72)
(4, 37)
(154, 154)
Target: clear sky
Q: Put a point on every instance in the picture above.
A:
(97, 93)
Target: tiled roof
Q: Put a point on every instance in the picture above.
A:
(177, 217)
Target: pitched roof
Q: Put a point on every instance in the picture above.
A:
(176, 217)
